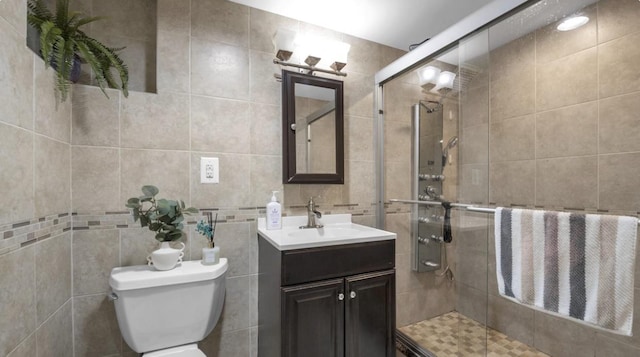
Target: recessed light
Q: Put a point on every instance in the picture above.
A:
(572, 23)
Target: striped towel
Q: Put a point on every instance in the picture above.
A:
(573, 265)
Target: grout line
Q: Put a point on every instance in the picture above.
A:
(535, 117)
(597, 110)
(33, 139)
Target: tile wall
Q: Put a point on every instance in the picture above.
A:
(67, 173)
(35, 185)
(552, 124)
(130, 24)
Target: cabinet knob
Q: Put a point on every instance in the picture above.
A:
(352, 295)
(341, 296)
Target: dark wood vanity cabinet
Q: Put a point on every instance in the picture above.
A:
(336, 301)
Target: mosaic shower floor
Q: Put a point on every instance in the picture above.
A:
(454, 335)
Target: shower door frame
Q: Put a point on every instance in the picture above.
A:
(439, 43)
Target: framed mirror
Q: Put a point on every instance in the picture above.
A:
(313, 129)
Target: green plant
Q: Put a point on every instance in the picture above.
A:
(62, 43)
(162, 216)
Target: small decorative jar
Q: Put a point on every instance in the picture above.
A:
(211, 254)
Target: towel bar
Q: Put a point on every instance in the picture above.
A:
(467, 207)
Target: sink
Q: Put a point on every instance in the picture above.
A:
(338, 229)
(328, 232)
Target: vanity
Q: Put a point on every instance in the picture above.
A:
(326, 291)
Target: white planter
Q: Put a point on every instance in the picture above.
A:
(166, 258)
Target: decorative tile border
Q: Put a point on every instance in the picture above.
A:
(23, 233)
(116, 220)
(20, 234)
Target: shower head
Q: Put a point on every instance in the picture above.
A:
(430, 105)
(445, 151)
(450, 145)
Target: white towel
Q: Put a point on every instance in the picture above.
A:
(573, 265)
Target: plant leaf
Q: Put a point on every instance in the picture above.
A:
(150, 190)
(163, 206)
(175, 235)
(190, 210)
(155, 226)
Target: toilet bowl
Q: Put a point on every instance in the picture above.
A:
(166, 313)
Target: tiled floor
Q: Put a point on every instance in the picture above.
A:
(454, 335)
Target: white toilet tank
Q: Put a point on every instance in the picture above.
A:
(162, 309)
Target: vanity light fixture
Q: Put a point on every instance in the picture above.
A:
(313, 54)
(572, 23)
(284, 42)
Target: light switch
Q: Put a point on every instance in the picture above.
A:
(209, 170)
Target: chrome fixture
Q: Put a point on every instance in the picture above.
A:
(427, 177)
(313, 54)
(445, 151)
(432, 192)
(312, 214)
(431, 264)
(423, 240)
(428, 104)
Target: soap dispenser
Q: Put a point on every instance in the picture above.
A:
(274, 213)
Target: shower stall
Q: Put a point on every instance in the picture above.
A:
(514, 107)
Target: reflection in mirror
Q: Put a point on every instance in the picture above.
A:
(313, 123)
(315, 129)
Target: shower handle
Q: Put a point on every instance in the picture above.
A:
(430, 264)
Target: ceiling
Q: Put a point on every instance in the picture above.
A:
(395, 23)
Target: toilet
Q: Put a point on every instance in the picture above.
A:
(166, 313)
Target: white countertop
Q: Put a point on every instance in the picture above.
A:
(338, 229)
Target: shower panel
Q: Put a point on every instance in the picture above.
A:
(427, 179)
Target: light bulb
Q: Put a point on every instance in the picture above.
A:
(572, 23)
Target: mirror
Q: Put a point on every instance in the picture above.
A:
(313, 129)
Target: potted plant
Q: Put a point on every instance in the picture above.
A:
(165, 217)
(63, 45)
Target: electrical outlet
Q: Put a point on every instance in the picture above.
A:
(209, 170)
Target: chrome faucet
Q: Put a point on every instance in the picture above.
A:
(312, 214)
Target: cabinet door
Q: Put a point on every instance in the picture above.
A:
(313, 319)
(370, 315)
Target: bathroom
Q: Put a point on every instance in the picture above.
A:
(68, 168)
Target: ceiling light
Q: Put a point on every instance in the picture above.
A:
(429, 74)
(572, 23)
(446, 79)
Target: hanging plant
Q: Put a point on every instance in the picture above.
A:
(63, 45)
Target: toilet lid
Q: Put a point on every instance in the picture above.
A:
(180, 351)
